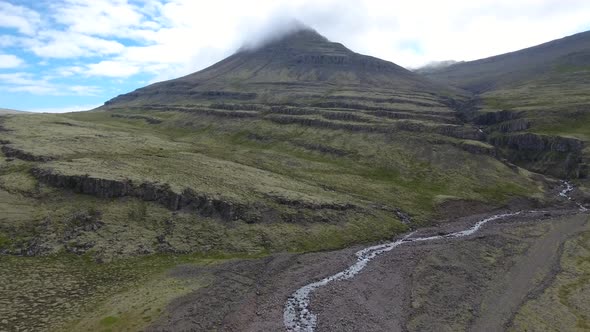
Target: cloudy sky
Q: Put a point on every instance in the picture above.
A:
(75, 54)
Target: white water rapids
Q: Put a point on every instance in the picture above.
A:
(297, 315)
(564, 193)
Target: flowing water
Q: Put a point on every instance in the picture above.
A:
(565, 193)
(297, 315)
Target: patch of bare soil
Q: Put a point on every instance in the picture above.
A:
(474, 283)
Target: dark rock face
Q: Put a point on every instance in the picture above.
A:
(460, 132)
(492, 118)
(148, 119)
(12, 152)
(413, 115)
(237, 107)
(313, 206)
(513, 125)
(188, 199)
(360, 106)
(476, 149)
(554, 155)
(503, 121)
(160, 193)
(322, 148)
(446, 130)
(535, 142)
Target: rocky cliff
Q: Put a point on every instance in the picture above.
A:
(160, 193)
(553, 155)
(215, 207)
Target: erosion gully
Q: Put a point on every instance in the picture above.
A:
(297, 316)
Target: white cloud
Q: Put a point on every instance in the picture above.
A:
(68, 71)
(35, 89)
(27, 82)
(107, 18)
(23, 19)
(83, 90)
(65, 44)
(10, 61)
(112, 69)
(18, 78)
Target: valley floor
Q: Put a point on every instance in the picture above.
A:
(522, 273)
(529, 272)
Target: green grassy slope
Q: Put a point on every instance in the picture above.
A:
(300, 187)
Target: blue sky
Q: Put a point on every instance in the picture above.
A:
(75, 54)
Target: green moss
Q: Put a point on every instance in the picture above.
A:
(5, 241)
(75, 293)
(109, 321)
(502, 191)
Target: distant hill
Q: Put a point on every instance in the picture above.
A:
(563, 55)
(434, 66)
(10, 111)
(534, 102)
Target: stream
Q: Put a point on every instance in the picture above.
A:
(297, 316)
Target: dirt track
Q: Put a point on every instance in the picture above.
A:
(476, 283)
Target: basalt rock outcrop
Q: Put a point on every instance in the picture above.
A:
(160, 193)
(148, 119)
(491, 118)
(536, 142)
(502, 121)
(463, 132)
(553, 155)
(12, 152)
(205, 205)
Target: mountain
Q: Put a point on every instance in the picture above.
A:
(302, 64)
(563, 55)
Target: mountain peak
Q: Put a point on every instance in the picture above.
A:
(295, 35)
(298, 43)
